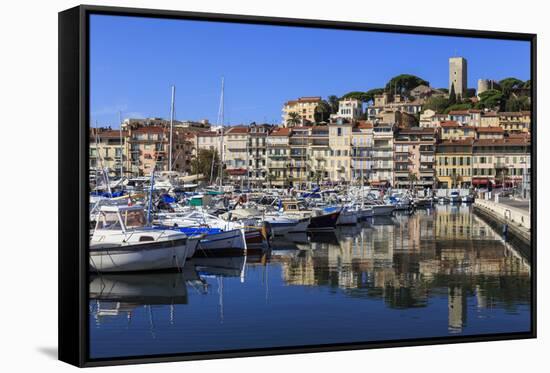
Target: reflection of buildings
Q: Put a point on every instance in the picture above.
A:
(457, 309)
(406, 259)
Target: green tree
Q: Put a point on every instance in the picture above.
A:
(322, 112)
(509, 85)
(437, 104)
(202, 163)
(364, 96)
(461, 106)
(333, 102)
(452, 95)
(294, 119)
(518, 103)
(404, 83)
(491, 99)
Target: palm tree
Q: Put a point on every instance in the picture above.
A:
(294, 119)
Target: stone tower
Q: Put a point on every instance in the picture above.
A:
(458, 76)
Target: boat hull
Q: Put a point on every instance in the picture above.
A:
(288, 227)
(382, 210)
(347, 218)
(163, 255)
(323, 222)
(224, 243)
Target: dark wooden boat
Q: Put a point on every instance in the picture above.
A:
(323, 222)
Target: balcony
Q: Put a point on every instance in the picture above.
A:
(382, 154)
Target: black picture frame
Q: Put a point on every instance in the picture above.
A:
(74, 113)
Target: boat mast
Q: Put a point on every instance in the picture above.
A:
(150, 202)
(171, 124)
(220, 122)
(121, 146)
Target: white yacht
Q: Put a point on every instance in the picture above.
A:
(122, 242)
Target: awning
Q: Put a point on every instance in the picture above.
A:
(236, 171)
(480, 181)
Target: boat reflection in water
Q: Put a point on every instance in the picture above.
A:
(437, 272)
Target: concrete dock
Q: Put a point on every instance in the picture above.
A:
(510, 216)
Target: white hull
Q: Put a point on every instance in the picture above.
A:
(232, 239)
(281, 225)
(141, 257)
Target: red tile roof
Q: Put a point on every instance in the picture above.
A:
(490, 129)
(502, 142)
(457, 142)
(207, 134)
(308, 99)
(281, 131)
(450, 124)
(149, 129)
(109, 134)
(237, 130)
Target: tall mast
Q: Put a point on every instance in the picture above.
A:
(220, 122)
(171, 124)
(121, 146)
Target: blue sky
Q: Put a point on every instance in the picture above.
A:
(134, 61)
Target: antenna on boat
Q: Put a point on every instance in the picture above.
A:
(171, 124)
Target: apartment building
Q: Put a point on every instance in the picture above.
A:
(349, 109)
(454, 163)
(471, 117)
(340, 135)
(109, 151)
(304, 107)
(396, 103)
(361, 148)
(257, 153)
(299, 155)
(319, 153)
(209, 140)
(278, 156)
(453, 130)
(489, 133)
(414, 158)
(502, 162)
(382, 155)
(149, 147)
(489, 119)
(515, 122)
(235, 152)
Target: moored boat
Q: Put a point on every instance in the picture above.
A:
(121, 242)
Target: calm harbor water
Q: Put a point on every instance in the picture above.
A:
(438, 272)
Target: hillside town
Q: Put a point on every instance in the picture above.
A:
(399, 136)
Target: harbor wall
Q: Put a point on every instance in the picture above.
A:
(516, 232)
(512, 215)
